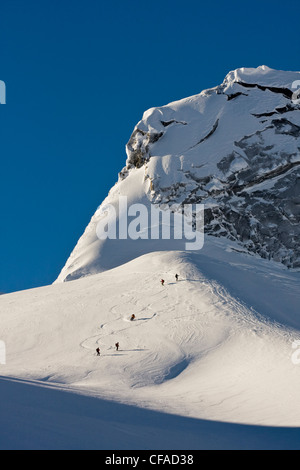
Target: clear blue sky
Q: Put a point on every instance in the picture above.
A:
(79, 75)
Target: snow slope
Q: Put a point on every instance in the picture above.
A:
(38, 417)
(215, 346)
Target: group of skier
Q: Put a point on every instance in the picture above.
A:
(132, 318)
(117, 345)
(162, 281)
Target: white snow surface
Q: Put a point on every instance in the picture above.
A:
(203, 356)
(209, 361)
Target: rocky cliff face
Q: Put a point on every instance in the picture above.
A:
(234, 148)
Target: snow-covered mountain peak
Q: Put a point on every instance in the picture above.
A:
(204, 351)
(234, 148)
(262, 75)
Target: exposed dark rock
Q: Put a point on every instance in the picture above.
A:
(209, 134)
(284, 109)
(235, 95)
(265, 114)
(254, 198)
(283, 91)
(138, 148)
(283, 126)
(173, 121)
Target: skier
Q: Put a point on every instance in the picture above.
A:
(98, 351)
(132, 317)
(162, 282)
(117, 346)
(176, 277)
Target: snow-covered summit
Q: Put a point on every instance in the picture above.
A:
(234, 148)
(262, 75)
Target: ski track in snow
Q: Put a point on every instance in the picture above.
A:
(193, 349)
(113, 328)
(181, 326)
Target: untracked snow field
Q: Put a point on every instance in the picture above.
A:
(207, 363)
